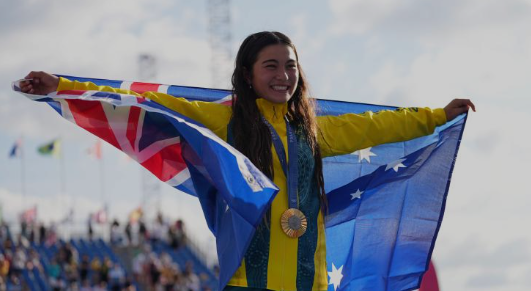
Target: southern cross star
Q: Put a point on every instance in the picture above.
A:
(395, 165)
(356, 195)
(364, 154)
(335, 276)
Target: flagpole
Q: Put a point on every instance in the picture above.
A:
(63, 185)
(102, 177)
(102, 187)
(22, 172)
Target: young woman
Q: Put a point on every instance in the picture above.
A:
(272, 122)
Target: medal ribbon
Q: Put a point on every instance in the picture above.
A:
(291, 168)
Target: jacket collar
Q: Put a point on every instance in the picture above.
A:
(273, 112)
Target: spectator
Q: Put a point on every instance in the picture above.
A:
(54, 275)
(70, 253)
(84, 268)
(115, 233)
(31, 235)
(33, 258)
(42, 233)
(129, 233)
(51, 237)
(4, 231)
(18, 262)
(104, 270)
(154, 271)
(89, 228)
(191, 280)
(23, 228)
(71, 274)
(138, 266)
(167, 272)
(176, 234)
(95, 267)
(116, 277)
(158, 229)
(143, 235)
(14, 284)
(4, 268)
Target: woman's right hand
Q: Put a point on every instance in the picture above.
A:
(39, 83)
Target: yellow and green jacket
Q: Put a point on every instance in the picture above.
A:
(273, 260)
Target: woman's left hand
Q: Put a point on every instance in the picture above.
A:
(457, 107)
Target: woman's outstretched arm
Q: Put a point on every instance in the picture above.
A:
(347, 133)
(212, 115)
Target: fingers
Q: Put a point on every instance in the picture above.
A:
(35, 75)
(29, 86)
(38, 82)
(26, 86)
(457, 107)
(471, 105)
(32, 79)
(466, 103)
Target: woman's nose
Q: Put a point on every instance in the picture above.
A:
(282, 75)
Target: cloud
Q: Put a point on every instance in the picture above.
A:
(359, 16)
(427, 19)
(468, 261)
(82, 39)
(433, 50)
(485, 280)
(472, 252)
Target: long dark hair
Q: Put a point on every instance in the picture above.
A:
(251, 134)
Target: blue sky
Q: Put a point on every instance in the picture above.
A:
(404, 53)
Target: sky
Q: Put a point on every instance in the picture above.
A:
(402, 53)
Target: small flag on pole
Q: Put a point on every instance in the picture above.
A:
(100, 217)
(29, 215)
(16, 150)
(52, 148)
(95, 150)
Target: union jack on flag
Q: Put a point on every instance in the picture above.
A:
(386, 203)
(142, 134)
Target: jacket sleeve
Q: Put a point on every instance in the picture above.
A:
(212, 115)
(339, 135)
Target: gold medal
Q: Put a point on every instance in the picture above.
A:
(293, 222)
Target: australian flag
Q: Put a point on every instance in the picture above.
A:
(386, 203)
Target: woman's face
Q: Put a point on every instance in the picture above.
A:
(275, 73)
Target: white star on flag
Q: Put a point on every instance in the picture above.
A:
(335, 276)
(395, 165)
(364, 154)
(356, 195)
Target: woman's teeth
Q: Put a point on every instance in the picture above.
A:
(280, 88)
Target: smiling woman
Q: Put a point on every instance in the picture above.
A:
(275, 73)
(272, 122)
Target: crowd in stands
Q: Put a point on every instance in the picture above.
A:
(138, 233)
(160, 272)
(67, 269)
